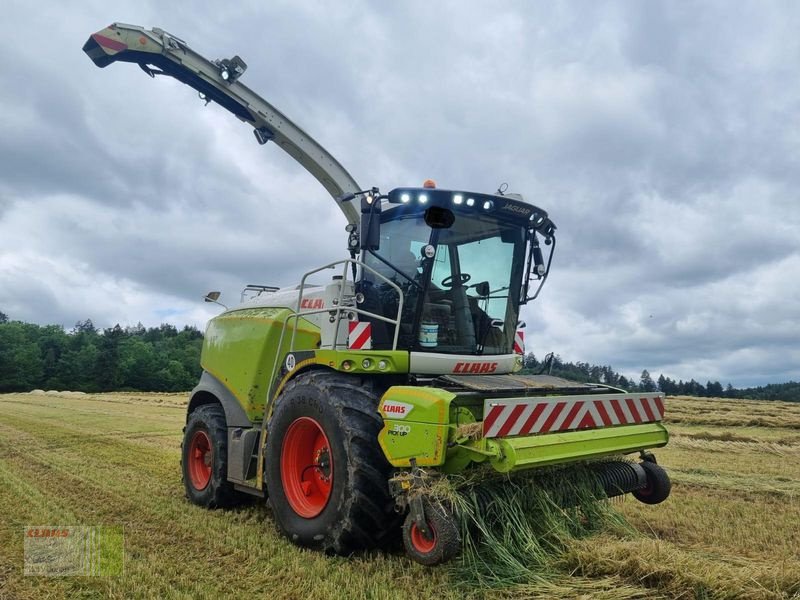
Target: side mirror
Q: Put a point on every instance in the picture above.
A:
(482, 289)
(370, 222)
(214, 297)
(538, 260)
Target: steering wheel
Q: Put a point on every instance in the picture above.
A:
(448, 281)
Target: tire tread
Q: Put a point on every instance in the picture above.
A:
(367, 518)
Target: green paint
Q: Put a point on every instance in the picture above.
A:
(402, 441)
(467, 452)
(557, 448)
(525, 452)
(431, 429)
(241, 347)
(423, 430)
(397, 361)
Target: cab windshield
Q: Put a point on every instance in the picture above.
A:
(461, 283)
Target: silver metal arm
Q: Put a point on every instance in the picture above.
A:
(160, 53)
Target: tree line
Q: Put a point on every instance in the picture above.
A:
(165, 359)
(588, 373)
(87, 359)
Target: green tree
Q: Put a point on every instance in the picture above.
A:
(107, 369)
(172, 377)
(646, 383)
(529, 361)
(667, 385)
(20, 357)
(138, 364)
(53, 342)
(610, 377)
(85, 327)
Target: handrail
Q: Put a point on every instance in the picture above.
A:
(296, 314)
(250, 287)
(338, 301)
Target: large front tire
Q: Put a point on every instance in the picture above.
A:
(204, 459)
(326, 476)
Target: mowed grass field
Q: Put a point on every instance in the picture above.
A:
(731, 528)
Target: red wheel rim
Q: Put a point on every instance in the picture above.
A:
(200, 459)
(306, 467)
(420, 542)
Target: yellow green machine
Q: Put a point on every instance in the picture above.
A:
(339, 400)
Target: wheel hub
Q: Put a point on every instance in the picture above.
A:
(306, 467)
(423, 543)
(322, 462)
(200, 458)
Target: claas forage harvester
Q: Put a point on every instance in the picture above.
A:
(340, 401)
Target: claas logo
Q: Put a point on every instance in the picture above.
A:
(476, 367)
(397, 410)
(312, 303)
(46, 532)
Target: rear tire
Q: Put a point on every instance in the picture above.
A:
(326, 475)
(204, 459)
(658, 484)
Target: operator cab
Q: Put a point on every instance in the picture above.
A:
(463, 262)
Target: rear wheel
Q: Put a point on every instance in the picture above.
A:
(198, 460)
(326, 476)
(204, 458)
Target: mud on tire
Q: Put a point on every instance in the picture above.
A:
(347, 502)
(204, 459)
(441, 545)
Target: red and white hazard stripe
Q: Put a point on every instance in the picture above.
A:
(519, 342)
(504, 418)
(360, 337)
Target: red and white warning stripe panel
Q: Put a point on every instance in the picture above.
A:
(360, 337)
(519, 342)
(526, 416)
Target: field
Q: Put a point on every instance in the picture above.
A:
(731, 528)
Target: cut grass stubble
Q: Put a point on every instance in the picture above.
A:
(730, 529)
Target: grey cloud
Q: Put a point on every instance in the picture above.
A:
(662, 139)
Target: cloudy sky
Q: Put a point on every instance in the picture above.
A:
(662, 137)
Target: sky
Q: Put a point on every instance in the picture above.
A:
(663, 138)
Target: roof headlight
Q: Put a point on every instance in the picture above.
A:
(230, 69)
